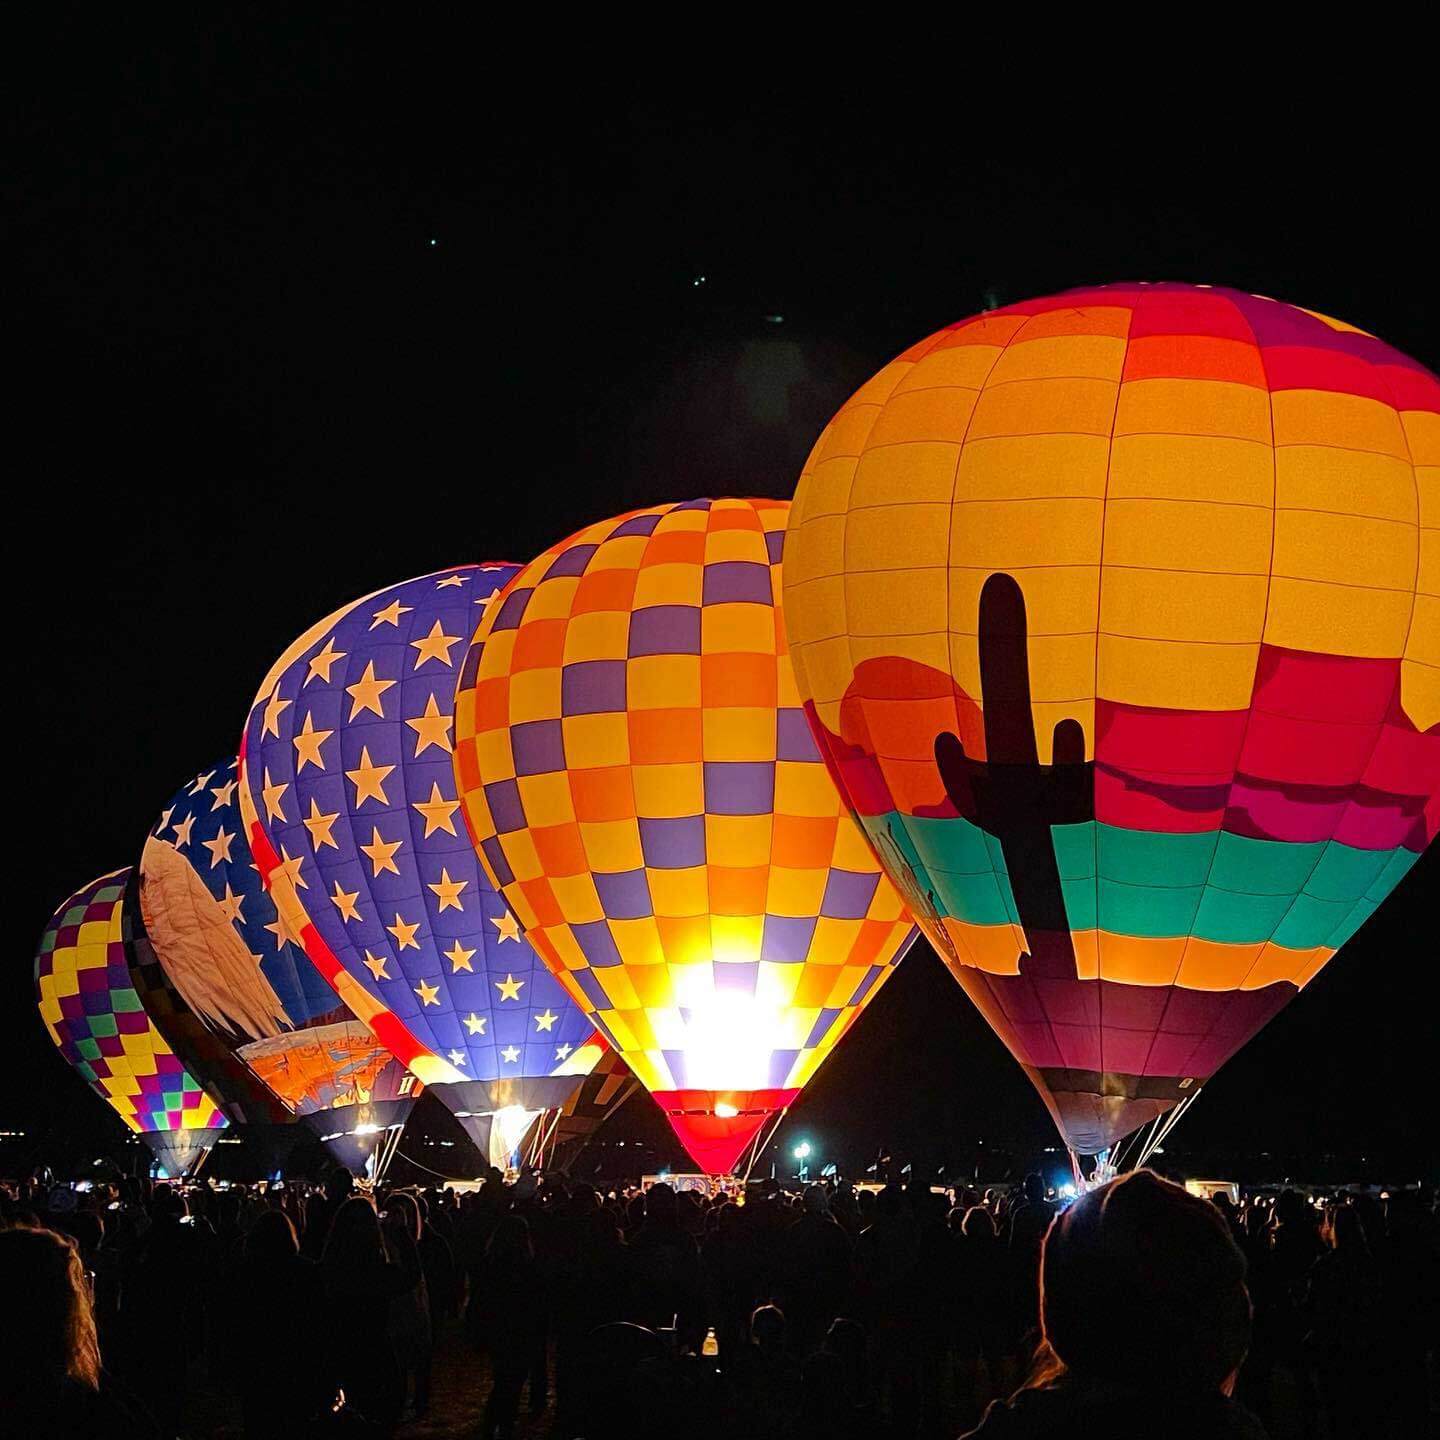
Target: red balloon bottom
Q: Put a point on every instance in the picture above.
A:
(715, 1126)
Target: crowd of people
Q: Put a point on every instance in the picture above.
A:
(1138, 1309)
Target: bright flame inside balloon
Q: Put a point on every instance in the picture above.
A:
(725, 1110)
(727, 1037)
(366, 1129)
(507, 1130)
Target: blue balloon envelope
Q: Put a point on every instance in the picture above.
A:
(350, 806)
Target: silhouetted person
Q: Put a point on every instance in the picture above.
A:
(886, 1256)
(513, 1322)
(1410, 1276)
(816, 1271)
(437, 1259)
(981, 1320)
(361, 1280)
(1342, 1301)
(163, 1291)
(281, 1362)
(321, 1210)
(666, 1267)
(766, 1378)
(51, 1383)
(837, 1397)
(1145, 1319)
(1029, 1221)
(728, 1260)
(410, 1329)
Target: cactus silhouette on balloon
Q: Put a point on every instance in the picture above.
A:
(1010, 794)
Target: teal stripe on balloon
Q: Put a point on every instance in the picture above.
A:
(1231, 889)
(1235, 918)
(1396, 868)
(1347, 874)
(1152, 858)
(1263, 867)
(1153, 911)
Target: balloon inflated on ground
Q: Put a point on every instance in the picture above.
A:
(349, 803)
(1116, 617)
(238, 998)
(646, 794)
(90, 1007)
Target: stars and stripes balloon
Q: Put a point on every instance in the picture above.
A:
(644, 789)
(1117, 615)
(349, 803)
(236, 995)
(90, 1007)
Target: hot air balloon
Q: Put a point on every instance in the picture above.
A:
(349, 804)
(557, 1137)
(643, 788)
(238, 999)
(1115, 616)
(94, 1016)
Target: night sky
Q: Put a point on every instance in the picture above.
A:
(318, 310)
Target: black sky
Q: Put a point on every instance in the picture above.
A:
(318, 308)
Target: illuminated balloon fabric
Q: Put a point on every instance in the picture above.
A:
(556, 1146)
(349, 801)
(1116, 616)
(94, 1016)
(643, 787)
(234, 994)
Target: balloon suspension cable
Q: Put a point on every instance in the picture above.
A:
(1171, 1120)
(385, 1151)
(200, 1160)
(763, 1137)
(410, 1160)
(1141, 1138)
(1123, 1149)
(541, 1145)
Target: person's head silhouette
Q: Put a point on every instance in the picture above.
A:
(52, 1344)
(339, 1183)
(1141, 1285)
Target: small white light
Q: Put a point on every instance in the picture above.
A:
(724, 1110)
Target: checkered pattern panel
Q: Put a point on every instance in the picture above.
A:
(643, 787)
(94, 1016)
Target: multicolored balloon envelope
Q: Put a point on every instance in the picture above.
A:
(644, 789)
(349, 805)
(237, 997)
(89, 1005)
(1116, 616)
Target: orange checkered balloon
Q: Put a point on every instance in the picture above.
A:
(644, 789)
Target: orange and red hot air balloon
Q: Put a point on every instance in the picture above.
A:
(1117, 617)
(646, 794)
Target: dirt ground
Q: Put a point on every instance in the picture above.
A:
(460, 1387)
